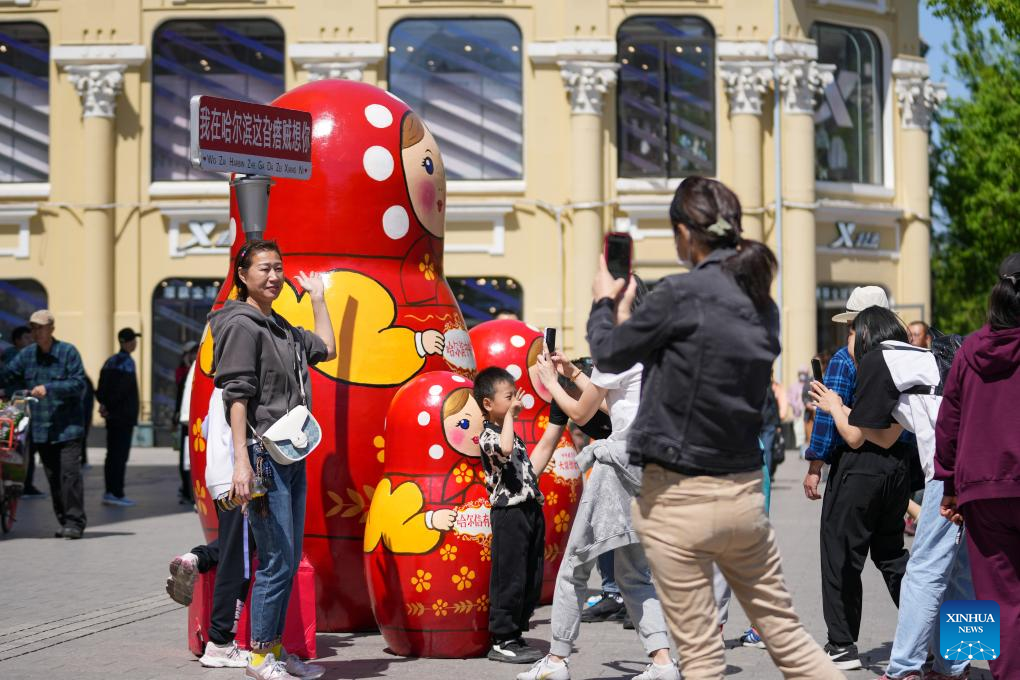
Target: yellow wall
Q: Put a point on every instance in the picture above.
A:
(532, 248)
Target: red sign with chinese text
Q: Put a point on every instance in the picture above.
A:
(238, 137)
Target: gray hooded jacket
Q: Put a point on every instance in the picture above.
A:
(254, 361)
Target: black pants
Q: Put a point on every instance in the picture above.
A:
(182, 436)
(233, 573)
(518, 554)
(62, 462)
(862, 512)
(118, 448)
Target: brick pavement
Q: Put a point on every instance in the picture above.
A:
(95, 608)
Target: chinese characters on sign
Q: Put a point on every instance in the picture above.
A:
(238, 137)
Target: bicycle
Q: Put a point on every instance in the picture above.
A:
(15, 416)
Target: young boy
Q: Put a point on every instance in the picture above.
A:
(518, 527)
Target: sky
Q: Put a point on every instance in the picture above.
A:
(937, 32)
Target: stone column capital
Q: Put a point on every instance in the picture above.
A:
(98, 86)
(746, 83)
(341, 60)
(587, 82)
(801, 80)
(919, 98)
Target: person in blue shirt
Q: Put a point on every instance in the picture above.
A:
(865, 501)
(117, 395)
(52, 372)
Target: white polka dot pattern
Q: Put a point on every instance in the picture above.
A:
(378, 163)
(378, 116)
(395, 222)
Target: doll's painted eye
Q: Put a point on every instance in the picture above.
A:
(463, 424)
(427, 164)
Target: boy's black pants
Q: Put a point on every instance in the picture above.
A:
(227, 554)
(518, 555)
(862, 511)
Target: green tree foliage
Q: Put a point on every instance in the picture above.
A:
(970, 12)
(976, 171)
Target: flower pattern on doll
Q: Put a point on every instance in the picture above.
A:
(464, 579)
(562, 521)
(448, 553)
(421, 580)
(463, 474)
(485, 555)
(552, 498)
(440, 607)
(428, 268)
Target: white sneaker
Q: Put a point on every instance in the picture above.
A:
(544, 669)
(271, 669)
(224, 656)
(654, 671)
(297, 667)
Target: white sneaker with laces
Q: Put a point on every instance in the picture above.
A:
(654, 671)
(544, 669)
(271, 669)
(297, 667)
(183, 572)
(224, 656)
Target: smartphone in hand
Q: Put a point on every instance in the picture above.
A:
(816, 369)
(619, 250)
(550, 340)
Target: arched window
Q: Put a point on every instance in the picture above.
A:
(482, 298)
(24, 102)
(179, 310)
(18, 299)
(666, 97)
(463, 76)
(236, 59)
(848, 119)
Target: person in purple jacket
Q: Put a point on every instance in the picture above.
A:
(977, 454)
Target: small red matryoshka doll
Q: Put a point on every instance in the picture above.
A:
(515, 346)
(427, 537)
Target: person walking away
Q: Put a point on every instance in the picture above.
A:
(230, 553)
(896, 389)
(183, 378)
(708, 340)
(117, 395)
(21, 337)
(261, 363)
(518, 526)
(52, 371)
(851, 528)
(977, 455)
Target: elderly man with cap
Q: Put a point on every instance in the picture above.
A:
(52, 371)
(117, 395)
(854, 523)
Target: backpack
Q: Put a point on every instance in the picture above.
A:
(943, 348)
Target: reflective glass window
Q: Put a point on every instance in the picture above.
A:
(848, 119)
(24, 103)
(666, 97)
(18, 299)
(236, 59)
(463, 76)
(482, 298)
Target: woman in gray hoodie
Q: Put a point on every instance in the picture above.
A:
(256, 362)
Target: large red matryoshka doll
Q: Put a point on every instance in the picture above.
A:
(515, 346)
(371, 218)
(428, 538)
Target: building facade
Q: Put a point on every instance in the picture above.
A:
(559, 120)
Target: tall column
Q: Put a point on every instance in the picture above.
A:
(800, 81)
(746, 83)
(587, 83)
(918, 98)
(98, 85)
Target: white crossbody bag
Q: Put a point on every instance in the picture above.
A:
(294, 436)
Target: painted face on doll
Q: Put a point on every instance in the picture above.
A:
(425, 173)
(536, 382)
(462, 423)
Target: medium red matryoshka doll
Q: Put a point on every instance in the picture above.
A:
(427, 538)
(371, 218)
(515, 346)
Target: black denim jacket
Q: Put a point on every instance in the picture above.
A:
(707, 355)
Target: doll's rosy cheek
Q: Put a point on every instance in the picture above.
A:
(426, 193)
(455, 435)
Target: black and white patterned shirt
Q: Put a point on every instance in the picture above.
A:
(510, 479)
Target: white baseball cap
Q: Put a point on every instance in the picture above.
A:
(861, 298)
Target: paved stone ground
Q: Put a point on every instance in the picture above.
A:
(95, 608)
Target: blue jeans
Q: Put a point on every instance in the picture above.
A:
(278, 537)
(607, 570)
(938, 570)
